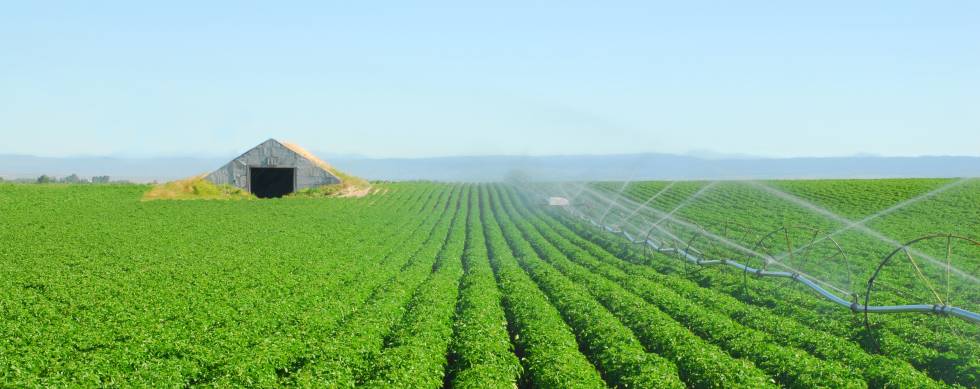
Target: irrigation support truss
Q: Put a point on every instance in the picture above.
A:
(853, 306)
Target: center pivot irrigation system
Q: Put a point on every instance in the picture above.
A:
(595, 207)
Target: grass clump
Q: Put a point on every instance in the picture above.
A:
(347, 188)
(195, 188)
(320, 191)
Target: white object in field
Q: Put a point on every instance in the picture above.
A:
(558, 201)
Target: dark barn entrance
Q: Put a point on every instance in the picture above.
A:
(269, 182)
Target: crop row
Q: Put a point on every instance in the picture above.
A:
(415, 353)
(700, 364)
(612, 347)
(481, 353)
(347, 356)
(762, 212)
(545, 344)
(98, 287)
(279, 354)
(790, 367)
(428, 285)
(877, 369)
(934, 337)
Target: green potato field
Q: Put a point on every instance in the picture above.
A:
(432, 285)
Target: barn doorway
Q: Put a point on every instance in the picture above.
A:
(268, 182)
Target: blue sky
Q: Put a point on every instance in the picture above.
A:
(412, 79)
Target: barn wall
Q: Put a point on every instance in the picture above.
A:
(271, 154)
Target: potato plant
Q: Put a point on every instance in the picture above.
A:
(437, 285)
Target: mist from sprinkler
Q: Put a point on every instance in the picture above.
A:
(717, 238)
(849, 224)
(648, 201)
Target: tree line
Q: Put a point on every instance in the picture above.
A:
(69, 179)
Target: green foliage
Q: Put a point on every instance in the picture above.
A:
(544, 342)
(429, 285)
(415, 354)
(348, 356)
(926, 346)
(700, 364)
(482, 355)
(607, 342)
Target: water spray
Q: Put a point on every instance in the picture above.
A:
(821, 287)
(724, 241)
(849, 224)
(649, 200)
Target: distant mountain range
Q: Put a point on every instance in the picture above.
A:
(649, 166)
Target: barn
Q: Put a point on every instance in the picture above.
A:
(275, 168)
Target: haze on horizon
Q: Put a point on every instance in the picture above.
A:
(442, 79)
